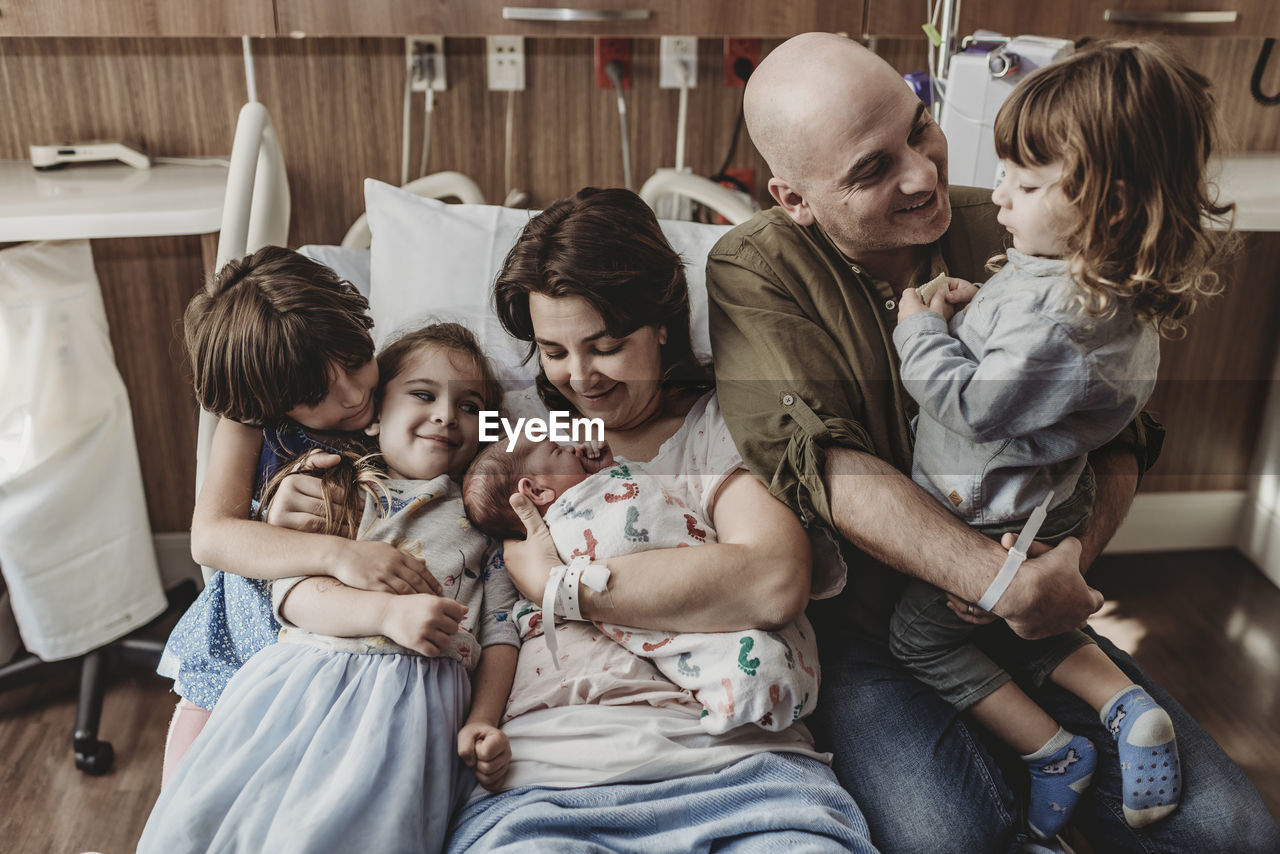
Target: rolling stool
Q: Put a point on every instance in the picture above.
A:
(94, 756)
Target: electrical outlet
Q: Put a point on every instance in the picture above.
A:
(425, 57)
(607, 49)
(735, 49)
(672, 52)
(505, 63)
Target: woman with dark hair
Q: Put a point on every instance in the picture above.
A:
(606, 752)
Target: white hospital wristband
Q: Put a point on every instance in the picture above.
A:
(561, 596)
(593, 575)
(1016, 555)
(1002, 580)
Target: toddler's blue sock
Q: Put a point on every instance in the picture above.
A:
(1060, 772)
(1148, 755)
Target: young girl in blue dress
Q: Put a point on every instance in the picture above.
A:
(353, 732)
(280, 350)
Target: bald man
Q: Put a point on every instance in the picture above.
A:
(803, 306)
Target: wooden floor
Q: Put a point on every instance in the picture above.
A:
(1206, 625)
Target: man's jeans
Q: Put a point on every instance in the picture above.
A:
(926, 780)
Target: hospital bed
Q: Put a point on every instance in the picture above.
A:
(420, 260)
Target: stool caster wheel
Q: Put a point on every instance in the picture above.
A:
(97, 762)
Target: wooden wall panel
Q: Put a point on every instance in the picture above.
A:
(485, 17)
(1213, 384)
(1080, 18)
(137, 18)
(337, 105)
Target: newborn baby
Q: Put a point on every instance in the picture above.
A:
(597, 508)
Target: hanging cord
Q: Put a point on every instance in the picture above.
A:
(428, 107)
(614, 70)
(404, 123)
(1255, 83)
(682, 116)
(250, 75)
(743, 68)
(515, 198)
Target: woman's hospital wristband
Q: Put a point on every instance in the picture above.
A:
(1003, 579)
(580, 571)
(561, 596)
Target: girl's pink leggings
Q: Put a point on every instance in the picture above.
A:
(188, 720)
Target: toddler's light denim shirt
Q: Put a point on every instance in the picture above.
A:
(1020, 389)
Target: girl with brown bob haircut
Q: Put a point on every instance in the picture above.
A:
(262, 334)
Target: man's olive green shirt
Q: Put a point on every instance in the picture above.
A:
(804, 357)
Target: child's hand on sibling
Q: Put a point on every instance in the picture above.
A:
(374, 565)
(484, 749)
(423, 623)
(300, 501)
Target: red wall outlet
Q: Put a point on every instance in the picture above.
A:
(735, 49)
(607, 49)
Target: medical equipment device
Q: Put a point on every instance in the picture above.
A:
(978, 80)
(60, 154)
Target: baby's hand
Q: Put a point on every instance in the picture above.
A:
(424, 623)
(596, 455)
(485, 749)
(370, 565)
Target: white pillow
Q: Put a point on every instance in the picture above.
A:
(433, 262)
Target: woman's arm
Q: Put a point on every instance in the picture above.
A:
(422, 622)
(756, 576)
(224, 537)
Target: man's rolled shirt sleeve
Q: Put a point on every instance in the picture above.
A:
(789, 390)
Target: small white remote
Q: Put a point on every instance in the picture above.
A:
(53, 156)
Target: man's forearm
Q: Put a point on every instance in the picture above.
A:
(1116, 473)
(883, 513)
(886, 515)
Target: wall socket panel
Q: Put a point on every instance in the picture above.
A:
(672, 51)
(505, 63)
(606, 49)
(425, 58)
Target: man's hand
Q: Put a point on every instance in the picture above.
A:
(530, 561)
(372, 565)
(970, 612)
(1049, 596)
(423, 623)
(485, 749)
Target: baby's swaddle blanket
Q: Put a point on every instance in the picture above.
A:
(766, 678)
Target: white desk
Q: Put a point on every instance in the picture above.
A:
(109, 200)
